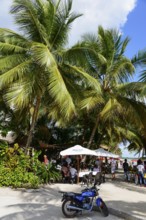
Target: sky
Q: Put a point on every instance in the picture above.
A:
(127, 16)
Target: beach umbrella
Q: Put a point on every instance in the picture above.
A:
(102, 153)
(77, 150)
(113, 155)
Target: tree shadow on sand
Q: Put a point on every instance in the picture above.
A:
(135, 209)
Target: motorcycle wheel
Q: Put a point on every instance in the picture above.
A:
(103, 209)
(69, 213)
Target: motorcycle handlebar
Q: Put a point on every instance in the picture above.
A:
(93, 187)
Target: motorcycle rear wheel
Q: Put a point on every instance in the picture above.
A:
(136, 180)
(103, 209)
(69, 213)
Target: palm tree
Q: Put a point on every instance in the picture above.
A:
(34, 65)
(108, 64)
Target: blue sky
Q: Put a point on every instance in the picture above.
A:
(128, 16)
(135, 29)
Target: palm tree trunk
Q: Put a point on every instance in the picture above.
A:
(85, 126)
(93, 132)
(34, 119)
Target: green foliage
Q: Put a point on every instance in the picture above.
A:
(17, 178)
(48, 173)
(15, 168)
(37, 74)
(20, 170)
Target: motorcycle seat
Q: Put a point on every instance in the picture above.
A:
(70, 193)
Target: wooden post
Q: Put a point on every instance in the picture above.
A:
(78, 169)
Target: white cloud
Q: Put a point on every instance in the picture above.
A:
(6, 20)
(108, 13)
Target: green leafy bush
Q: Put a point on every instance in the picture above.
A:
(20, 170)
(48, 173)
(18, 178)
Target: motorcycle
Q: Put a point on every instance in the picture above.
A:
(76, 203)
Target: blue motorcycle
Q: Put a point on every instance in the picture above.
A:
(76, 203)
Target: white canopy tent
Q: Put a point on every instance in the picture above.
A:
(103, 153)
(78, 150)
(114, 155)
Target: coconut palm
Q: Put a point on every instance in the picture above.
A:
(33, 64)
(108, 64)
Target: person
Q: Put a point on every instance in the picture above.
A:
(144, 175)
(126, 169)
(140, 169)
(65, 172)
(84, 167)
(68, 160)
(73, 173)
(46, 161)
(96, 168)
(98, 162)
(113, 168)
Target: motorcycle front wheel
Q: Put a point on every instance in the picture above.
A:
(68, 212)
(103, 209)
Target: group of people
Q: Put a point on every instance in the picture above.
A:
(69, 172)
(69, 169)
(140, 170)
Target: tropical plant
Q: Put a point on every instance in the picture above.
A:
(119, 101)
(33, 65)
(48, 173)
(20, 170)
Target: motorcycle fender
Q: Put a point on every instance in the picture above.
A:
(66, 197)
(98, 201)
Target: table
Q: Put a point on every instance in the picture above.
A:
(82, 173)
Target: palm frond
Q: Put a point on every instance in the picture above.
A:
(26, 16)
(10, 61)
(109, 106)
(89, 79)
(91, 100)
(143, 76)
(134, 110)
(139, 60)
(11, 42)
(62, 23)
(17, 72)
(135, 90)
(19, 96)
(46, 11)
(9, 48)
(59, 92)
(121, 70)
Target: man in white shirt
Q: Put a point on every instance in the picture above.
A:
(113, 168)
(73, 171)
(98, 162)
(73, 174)
(140, 169)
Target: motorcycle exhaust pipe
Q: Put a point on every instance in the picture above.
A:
(74, 208)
